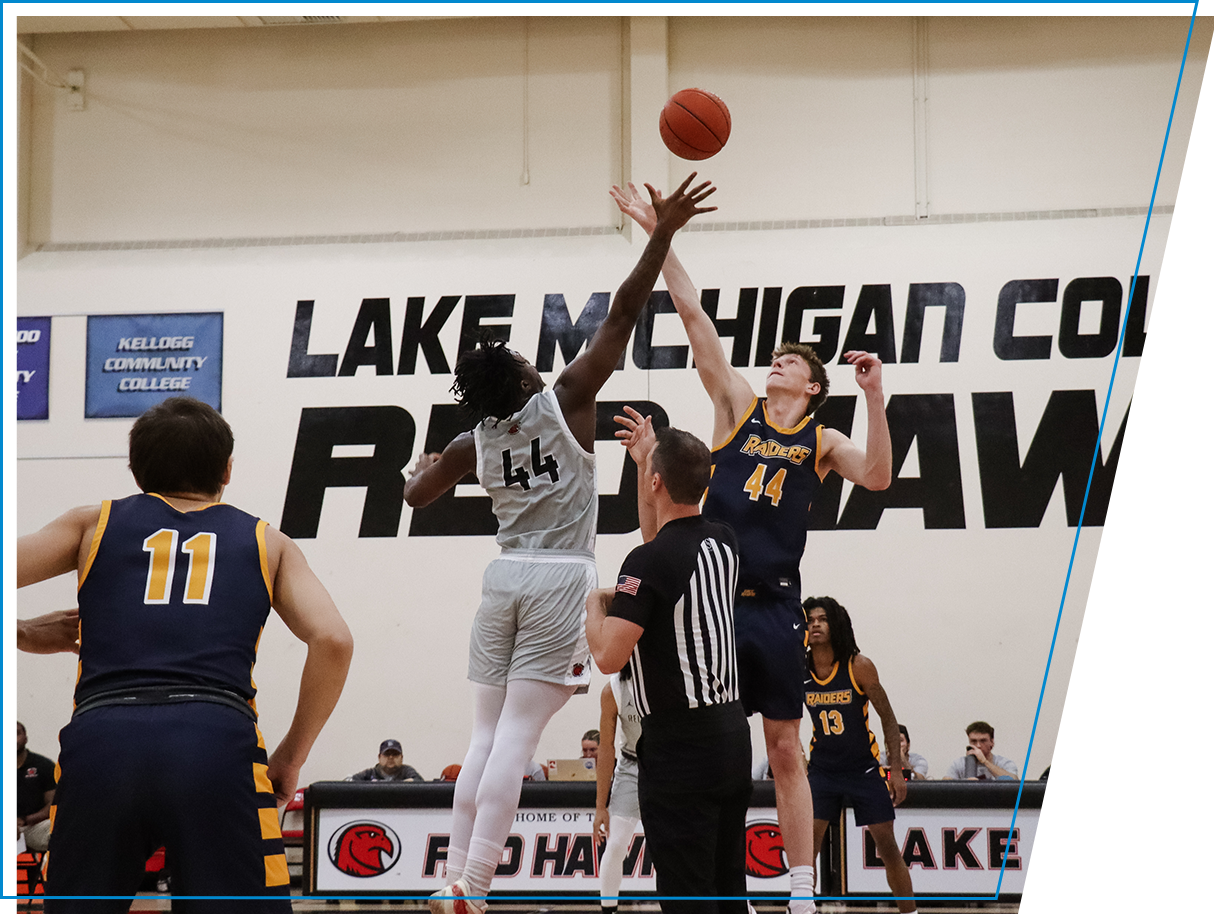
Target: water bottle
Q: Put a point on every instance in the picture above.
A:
(971, 764)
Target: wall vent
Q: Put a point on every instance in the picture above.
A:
(296, 20)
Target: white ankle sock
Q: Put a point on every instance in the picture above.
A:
(802, 878)
(456, 859)
(483, 858)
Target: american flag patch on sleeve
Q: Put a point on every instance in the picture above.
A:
(628, 584)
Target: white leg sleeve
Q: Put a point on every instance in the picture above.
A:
(611, 866)
(528, 707)
(487, 709)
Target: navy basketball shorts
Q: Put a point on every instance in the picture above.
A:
(864, 791)
(190, 777)
(770, 634)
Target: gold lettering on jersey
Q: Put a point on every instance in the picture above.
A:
(770, 449)
(813, 699)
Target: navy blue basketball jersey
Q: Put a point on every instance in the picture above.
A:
(838, 710)
(172, 598)
(764, 479)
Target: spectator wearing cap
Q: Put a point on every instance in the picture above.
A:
(391, 766)
(1107, 764)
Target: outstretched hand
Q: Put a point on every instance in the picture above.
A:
(631, 203)
(636, 434)
(673, 212)
(868, 369)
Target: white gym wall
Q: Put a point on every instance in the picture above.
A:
(218, 168)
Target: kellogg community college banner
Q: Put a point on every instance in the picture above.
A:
(136, 361)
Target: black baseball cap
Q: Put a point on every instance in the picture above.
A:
(390, 745)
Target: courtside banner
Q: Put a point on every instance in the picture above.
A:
(136, 361)
(1077, 851)
(549, 850)
(33, 368)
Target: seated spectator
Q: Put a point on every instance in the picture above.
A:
(918, 764)
(35, 791)
(535, 772)
(1107, 764)
(450, 773)
(590, 744)
(981, 738)
(391, 766)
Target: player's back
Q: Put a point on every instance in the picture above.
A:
(172, 598)
(543, 484)
(764, 479)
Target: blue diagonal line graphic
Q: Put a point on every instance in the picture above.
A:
(1095, 454)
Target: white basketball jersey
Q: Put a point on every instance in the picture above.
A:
(630, 717)
(543, 484)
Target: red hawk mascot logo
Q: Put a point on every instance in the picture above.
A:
(364, 849)
(765, 850)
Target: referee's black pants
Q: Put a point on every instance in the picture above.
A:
(694, 787)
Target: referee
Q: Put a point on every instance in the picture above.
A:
(671, 613)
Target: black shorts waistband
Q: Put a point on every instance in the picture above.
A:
(760, 589)
(166, 694)
(694, 721)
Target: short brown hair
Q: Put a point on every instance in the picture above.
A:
(684, 463)
(817, 370)
(980, 726)
(181, 444)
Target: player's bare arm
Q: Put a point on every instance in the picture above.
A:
(308, 610)
(54, 632)
(437, 473)
(62, 545)
(731, 394)
(637, 435)
(605, 766)
(871, 467)
(579, 383)
(611, 640)
(866, 677)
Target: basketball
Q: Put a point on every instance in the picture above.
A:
(694, 124)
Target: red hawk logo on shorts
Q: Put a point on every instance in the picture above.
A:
(514, 429)
(765, 850)
(364, 849)
(578, 669)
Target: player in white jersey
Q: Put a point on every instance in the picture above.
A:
(534, 454)
(617, 806)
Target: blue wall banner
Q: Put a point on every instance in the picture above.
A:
(33, 368)
(134, 362)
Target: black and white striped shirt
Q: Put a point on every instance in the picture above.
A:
(679, 587)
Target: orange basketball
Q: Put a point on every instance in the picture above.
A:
(694, 124)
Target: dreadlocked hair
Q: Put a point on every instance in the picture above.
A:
(488, 381)
(842, 637)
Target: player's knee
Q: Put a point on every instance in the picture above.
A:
(784, 751)
(883, 838)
